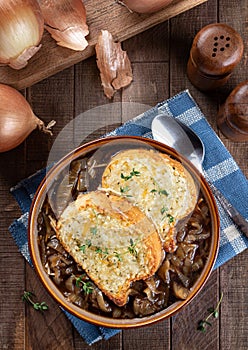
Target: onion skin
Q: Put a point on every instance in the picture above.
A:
(17, 119)
(113, 64)
(24, 19)
(146, 6)
(66, 22)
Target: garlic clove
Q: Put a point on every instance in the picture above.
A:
(66, 22)
(21, 30)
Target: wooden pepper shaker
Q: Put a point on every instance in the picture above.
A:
(216, 50)
(233, 115)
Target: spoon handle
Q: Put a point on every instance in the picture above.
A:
(238, 219)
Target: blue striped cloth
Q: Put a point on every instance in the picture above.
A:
(219, 168)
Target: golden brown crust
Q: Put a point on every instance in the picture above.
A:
(175, 189)
(129, 218)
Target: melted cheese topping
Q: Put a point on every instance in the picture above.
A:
(151, 183)
(108, 243)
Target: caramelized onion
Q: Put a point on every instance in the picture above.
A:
(103, 304)
(172, 282)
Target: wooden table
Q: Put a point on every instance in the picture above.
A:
(158, 58)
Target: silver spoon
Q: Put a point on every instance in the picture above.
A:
(179, 136)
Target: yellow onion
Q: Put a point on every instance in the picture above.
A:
(66, 22)
(17, 119)
(21, 29)
(145, 6)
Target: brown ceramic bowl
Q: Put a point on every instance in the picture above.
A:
(102, 149)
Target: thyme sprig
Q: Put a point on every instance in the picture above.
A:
(213, 312)
(84, 246)
(158, 189)
(131, 174)
(27, 297)
(86, 285)
(132, 248)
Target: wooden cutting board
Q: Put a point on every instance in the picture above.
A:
(101, 14)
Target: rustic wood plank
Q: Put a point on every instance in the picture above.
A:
(184, 331)
(103, 14)
(156, 38)
(12, 170)
(51, 99)
(152, 337)
(234, 314)
(49, 329)
(233, 275)
(11, 287)
(150, 85)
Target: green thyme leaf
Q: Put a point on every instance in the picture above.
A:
(170, 218)
(87, 287)
(118, 256)
(82, 248)
(164, 192)
(79, 280)
(216, 314)
(163, 210)
(93, 230)
(213, 312)
(105, 252)
(88, 243)
(131, 174)
(135, 173)
(132, 249)
(158, 189)
(124, 189)
(27, 297)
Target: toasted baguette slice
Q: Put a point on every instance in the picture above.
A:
(113, 241)
(159, 185)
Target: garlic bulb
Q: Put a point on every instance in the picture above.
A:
(21, 30)
(66, 22)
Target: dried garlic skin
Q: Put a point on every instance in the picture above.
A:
(113, 64)
(66, 22)
(21, 30)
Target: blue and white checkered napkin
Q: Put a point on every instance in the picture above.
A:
(219, 169)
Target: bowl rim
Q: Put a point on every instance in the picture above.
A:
(51, 287)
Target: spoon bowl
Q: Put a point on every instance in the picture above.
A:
(179, 136)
